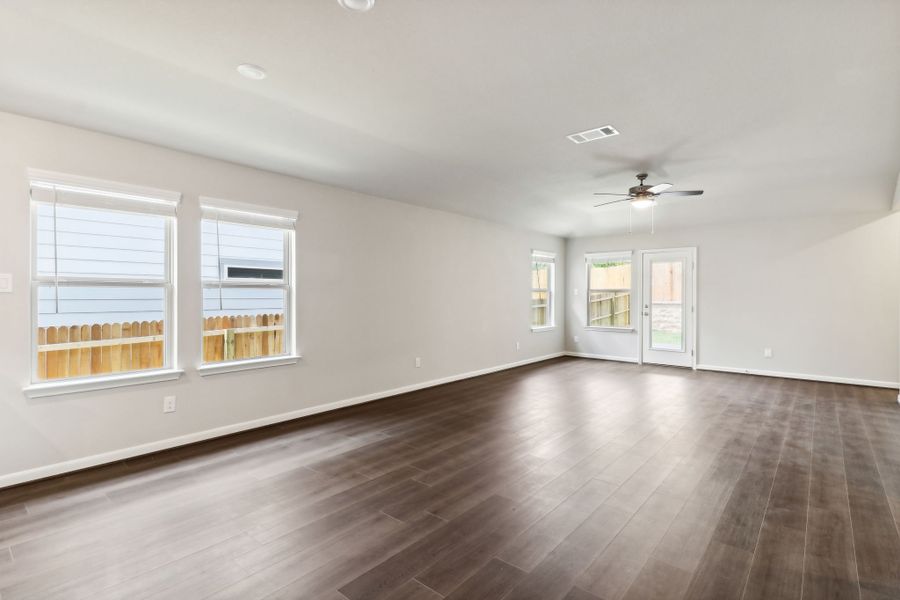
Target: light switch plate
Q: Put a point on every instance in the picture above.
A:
(5, 283)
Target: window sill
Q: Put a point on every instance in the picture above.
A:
(612, 329)
(246, 365)
(88, 384)
(544, 328)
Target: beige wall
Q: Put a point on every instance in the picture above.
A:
(347, 244)
(822, 292)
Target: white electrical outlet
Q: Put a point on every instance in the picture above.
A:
(5, 283)
(518, 346)
(576, 292)
(576, 339)
(169, 404)
(767, 352)
(418, 362)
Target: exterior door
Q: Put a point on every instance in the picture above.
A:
(667, 307)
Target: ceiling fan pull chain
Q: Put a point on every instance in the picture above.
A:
(652, 223)
(629, 219)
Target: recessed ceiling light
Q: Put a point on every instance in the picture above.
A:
(357, 5)
(590, 135)
(251, 71)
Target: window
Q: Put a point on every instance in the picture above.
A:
(102, 287)
(609, 290)
(246, 262)
(543, 266)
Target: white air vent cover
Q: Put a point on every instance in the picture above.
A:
(593, 134)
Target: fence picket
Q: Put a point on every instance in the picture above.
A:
(62, 365)
(279, 346)
(146, 357)
(229, 344)
(42, 356)
(52, 357)
(125, 357)
(158, 351)
(95, 351)
(219, 353)
(136, 348)
(115, 352)
(75, 353)
(257, 335)
(105, 351)
(84, 368)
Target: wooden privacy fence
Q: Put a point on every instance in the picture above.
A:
(79, 350)
(610, 309)
(241, 337)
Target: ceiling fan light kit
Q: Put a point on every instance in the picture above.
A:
(644, 196)
(641, 203)
(357, 5)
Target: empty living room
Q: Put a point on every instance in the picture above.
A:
(469, 299)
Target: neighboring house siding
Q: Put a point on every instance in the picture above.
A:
(240, 245)
(99, 244)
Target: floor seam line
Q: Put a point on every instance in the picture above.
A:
(417, 580)
(762, 521)
(812, 448)
(837, 416)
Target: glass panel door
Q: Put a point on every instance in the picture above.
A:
(667, 307)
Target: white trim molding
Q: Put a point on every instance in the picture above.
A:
(91, 384)
(246, 365)
(103, 186)
(805, 376)
(625, 359)
(86, 462)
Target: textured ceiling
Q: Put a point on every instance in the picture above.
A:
(775, 108)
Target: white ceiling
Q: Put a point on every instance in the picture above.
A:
(774, 107)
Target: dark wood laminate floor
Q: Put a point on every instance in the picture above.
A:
(571, 479)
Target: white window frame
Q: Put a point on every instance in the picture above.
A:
(251, 214)
(548, 258)
(592, 257)
(45, 186)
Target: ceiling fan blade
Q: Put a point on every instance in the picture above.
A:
(683, 193)
(608, 194)
(612, 202)
(659, 188)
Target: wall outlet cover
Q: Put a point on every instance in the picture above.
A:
(169, 404)
(5, 283)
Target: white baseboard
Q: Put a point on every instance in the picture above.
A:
(786, 375)
(627, 359)
(86, 462)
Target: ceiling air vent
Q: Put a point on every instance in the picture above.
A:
(593, 134)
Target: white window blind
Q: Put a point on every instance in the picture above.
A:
(215, 209)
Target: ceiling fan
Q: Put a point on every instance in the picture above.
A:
(646, 196)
